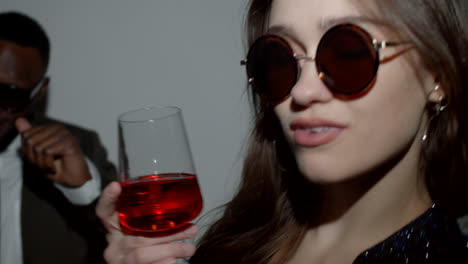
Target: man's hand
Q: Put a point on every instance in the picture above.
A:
(55, 150)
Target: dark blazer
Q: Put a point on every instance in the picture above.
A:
(54, 230)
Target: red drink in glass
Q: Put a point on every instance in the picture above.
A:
(153, 204)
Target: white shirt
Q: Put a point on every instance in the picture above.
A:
(11, 181)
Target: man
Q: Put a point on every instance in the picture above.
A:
(51, 172)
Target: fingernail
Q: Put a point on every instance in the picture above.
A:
(113, 225)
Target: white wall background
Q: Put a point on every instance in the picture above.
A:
(111, 56)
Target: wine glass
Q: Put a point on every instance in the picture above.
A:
(160, 191)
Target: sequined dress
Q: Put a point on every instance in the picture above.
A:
(431, 238)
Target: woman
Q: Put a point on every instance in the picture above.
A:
(359, 149)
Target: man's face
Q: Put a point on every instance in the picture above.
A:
(20, 68)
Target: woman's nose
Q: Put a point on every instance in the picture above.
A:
(309, 87)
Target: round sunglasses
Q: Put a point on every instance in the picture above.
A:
(14, 99)
(347, 60)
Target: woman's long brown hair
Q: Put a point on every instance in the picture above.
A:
(439, 32)
(268, 217)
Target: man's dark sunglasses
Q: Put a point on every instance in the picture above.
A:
(347, 60)
(14, 99)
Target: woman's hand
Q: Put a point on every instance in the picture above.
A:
(124, 248)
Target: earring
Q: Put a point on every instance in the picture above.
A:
(437, 108)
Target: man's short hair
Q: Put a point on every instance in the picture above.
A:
(23, 30)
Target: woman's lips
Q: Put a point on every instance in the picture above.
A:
(315, 133)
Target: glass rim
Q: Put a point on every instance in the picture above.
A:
(131, 116)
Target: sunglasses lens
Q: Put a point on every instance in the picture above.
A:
(347, 59)
(271, 68)
(13, 99)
